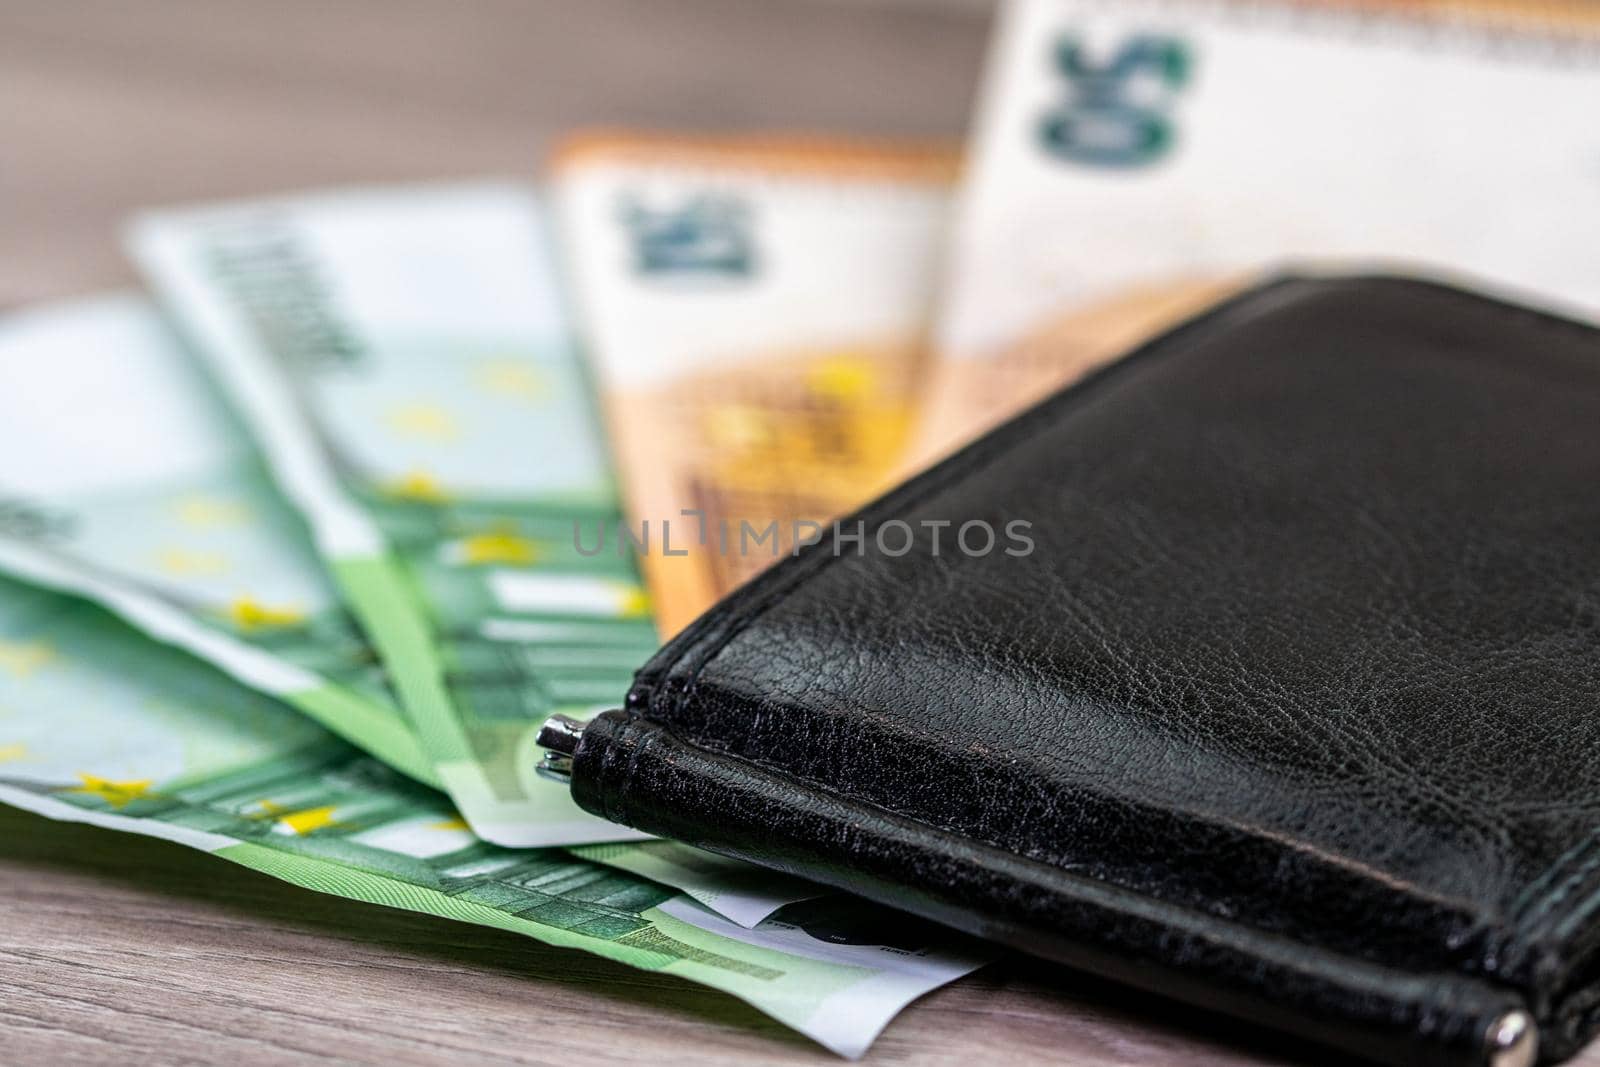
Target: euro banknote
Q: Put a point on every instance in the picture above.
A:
(743, 892)
(403, 360)
(756, 310)
(123, 480)
(103, 726)
(1133, 160)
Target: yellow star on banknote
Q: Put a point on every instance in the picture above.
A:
(842, 378)
(508, 377)
(454, 823)
(498, 546)
(23, 658)
(420, 486)
(185, 562)
(204, 511)
(12, 753)
(424, 421)
(303, 821)
(250, 614)
(117, 794)
(635, 604)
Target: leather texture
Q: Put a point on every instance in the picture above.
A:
(1293, 711)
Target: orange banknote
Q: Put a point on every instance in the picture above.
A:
(756, 310)
(1134, 160)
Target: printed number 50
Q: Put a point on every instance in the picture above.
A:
(1115, 111)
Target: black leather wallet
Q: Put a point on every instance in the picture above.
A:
(1292, 711)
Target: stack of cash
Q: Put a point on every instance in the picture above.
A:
(298, 551)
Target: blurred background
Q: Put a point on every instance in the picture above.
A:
(107, 106)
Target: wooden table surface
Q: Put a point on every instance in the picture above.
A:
(116, 949)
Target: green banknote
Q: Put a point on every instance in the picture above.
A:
(101, 725)
(123, 480)
(405, 363)
(743, 892)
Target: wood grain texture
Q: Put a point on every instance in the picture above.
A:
(115, 949)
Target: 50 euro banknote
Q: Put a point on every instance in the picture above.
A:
(404, 362)
(1133, 160)
(104, 726)
(756, 310)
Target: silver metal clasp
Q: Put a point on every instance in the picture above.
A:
(1513, 1040)
(559, 738)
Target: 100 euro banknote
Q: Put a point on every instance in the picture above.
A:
(404, 361)
(125, 481)
(1134, 160)
(756, 310)
(740, 891)
(101, 725)
(122, 479)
